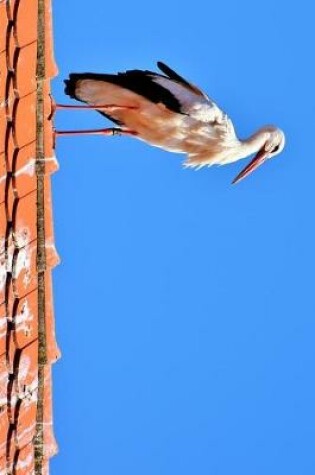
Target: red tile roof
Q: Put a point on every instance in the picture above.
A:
(27, 251)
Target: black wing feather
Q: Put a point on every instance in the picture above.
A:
(171, 73)
(176, 77)
(140, 82)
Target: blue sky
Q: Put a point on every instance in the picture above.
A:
(184, 305)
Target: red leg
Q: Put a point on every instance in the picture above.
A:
(110, 131)
(94, 107)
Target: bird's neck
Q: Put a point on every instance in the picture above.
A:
(254, 143)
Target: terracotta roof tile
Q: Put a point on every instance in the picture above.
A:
(3, 465)
(4, 378)
(3, 174)
(3, 329)
(25, 325)
(11, 48)
(50, 444)
(4, 429)
(3, 77)
(3, 279)
(24, 462)
(53, 352)
(23, 169)
(3, 226)
(24, 421)
(11, 6)
(51, 69)
(3, 27)
(25, 63)
(24, 220)
(24, 270)
(24, 107)
(25, 22)
(24, 385)
(25, 369)
(9, 145)
(3, 126)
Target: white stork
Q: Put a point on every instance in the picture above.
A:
(169, 112)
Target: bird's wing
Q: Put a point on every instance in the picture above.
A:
(136, 81)
(193, 102)
(173, 91)
(176, 77)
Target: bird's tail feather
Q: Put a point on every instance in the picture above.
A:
(70, 85)
(72, 82)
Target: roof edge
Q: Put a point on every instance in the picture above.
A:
(41, 253)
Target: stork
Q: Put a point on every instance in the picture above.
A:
(167, 111)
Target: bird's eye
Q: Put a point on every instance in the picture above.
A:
(276, 149)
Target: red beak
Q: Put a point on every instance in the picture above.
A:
(258, 160)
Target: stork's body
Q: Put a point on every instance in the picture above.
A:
(169, 112)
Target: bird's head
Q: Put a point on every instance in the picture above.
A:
(273, 145)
